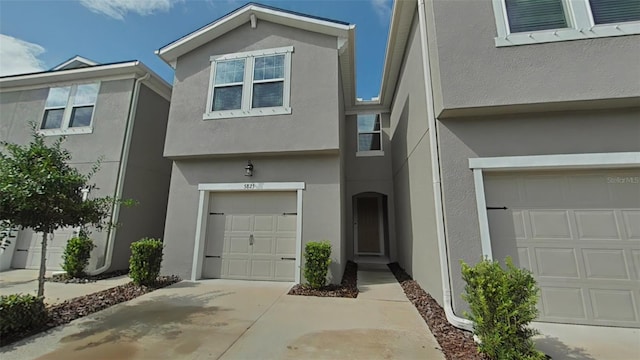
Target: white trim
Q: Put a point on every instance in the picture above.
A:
(579, 21)
(206, 189)
(483, 217)
(212, 31)
(77, 58)
(369, 153)
(565, 161)
(274, 51)
(198, 250)
(538, 162)
(64, 128)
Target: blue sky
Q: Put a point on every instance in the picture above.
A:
(39, 34)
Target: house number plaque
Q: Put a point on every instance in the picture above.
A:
(250, 186)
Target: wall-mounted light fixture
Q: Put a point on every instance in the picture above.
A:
(248, 170)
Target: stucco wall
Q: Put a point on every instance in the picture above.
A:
(368, 174)
(475, 73)
(19, 108)
(147, 177)
(312, 125)
(321, 201)
(516, 135)
(411, 168)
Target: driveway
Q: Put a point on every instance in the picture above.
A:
(223, 319)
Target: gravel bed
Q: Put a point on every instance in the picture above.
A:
(348, 288)
(455, 343)
(63, 278)
(69, 310)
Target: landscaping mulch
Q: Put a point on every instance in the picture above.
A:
(64, 278)
(348, 288)
(455, 343)
(69, 310)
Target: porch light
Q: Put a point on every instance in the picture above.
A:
(248, 170)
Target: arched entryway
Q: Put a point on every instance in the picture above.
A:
(370, 224)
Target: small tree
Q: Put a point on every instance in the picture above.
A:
(41, 191)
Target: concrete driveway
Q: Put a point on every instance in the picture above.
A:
(222, 319)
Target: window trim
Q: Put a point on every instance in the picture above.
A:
(580, 26)
(247, 86)
(64, 128)
(367, 153)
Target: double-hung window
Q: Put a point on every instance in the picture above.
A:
(255, 83)
(369, 135)
(538, 21)
(69, 109)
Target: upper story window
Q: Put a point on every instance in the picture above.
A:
(538, 21)
(69, 109)
(369, 135)
(255, 83)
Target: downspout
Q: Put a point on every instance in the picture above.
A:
(124, 156)
(437, 187)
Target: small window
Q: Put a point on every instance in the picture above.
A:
(369, 133)
(69, 107)
(614, 11)
(535, 15)
(254, 83)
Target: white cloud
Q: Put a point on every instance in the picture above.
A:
(19, 56)
(382, 8)
(117, 9)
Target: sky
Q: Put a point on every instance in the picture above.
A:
(37, 35)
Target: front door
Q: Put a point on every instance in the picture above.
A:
(369, 225)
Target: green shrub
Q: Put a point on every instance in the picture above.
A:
(145, 261)
(20, 312)
(76, 255)
(318, 258)
(502, 304)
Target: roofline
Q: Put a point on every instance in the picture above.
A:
(75, 58)
(126, 69)
(170, 52)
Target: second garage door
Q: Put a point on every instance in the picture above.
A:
(251, 235)
(579, 233)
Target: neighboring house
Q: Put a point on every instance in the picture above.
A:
(492, 136)
(113, 112)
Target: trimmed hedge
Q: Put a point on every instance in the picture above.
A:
(318, 259)
(502, 303)
(20, 312)
(145, 261)
(76, 255)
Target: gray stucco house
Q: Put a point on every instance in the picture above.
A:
(115, 111)
(494, 135)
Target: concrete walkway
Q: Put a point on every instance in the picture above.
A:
(24, 281)
(225, 319)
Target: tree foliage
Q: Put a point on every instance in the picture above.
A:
(40, 190)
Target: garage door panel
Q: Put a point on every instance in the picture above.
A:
(240, 223)
(550, 224)
(597, 225)
(579, 234)
(614, 305)
(284, 270)
(563, 303)
(262, 245)
(605, 264)
(631, 221)
(557, 262)
(262, 269)
(286, 223)
(236, 268)
(285, 246)
(238, 244)
(263, 223)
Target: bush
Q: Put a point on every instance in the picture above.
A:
(318, 258)
(145, 261)
(76, 255)
(502, 303)
(20, 312)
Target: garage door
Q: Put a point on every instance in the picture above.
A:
(28, 249)
(579, 233)
(251, 236)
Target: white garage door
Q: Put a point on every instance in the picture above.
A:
(251, 236)
(28, 249)
(579, 233)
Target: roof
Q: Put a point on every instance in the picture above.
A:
(170, 52)
(120, 70)
(75, 62)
